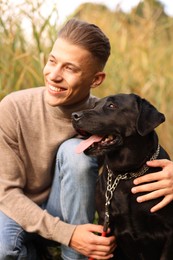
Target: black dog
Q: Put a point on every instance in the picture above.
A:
(123, 131)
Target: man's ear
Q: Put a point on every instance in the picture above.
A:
(98, 79)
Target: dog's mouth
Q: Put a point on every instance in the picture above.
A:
(97, 143)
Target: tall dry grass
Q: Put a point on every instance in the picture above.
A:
(26, 36)
(141, 60)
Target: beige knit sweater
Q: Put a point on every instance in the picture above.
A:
(30, 133)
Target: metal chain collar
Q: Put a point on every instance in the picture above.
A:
(112, 186)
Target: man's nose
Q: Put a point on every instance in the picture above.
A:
(56, 74)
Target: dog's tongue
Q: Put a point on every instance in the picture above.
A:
(86, 143)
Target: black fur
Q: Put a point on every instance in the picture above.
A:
(141, 235)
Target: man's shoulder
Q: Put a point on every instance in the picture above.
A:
(25, 93)
(26, 101)
(24, 96)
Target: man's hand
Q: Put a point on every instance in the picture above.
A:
(85, 241)
(158, 184)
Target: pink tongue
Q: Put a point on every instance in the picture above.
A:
(86, 143)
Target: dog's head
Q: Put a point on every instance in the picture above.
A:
(114, 118)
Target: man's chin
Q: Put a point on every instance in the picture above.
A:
(52, 100)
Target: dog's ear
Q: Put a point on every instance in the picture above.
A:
(149, 117)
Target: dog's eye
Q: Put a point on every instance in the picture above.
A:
(112, 105)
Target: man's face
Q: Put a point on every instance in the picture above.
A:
(69, 74)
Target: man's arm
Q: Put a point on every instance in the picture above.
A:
(13, 201)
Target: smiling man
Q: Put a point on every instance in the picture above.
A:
(46, 190)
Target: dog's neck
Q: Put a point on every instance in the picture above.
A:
(133, 154)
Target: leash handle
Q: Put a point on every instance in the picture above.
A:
(104, 233)
(105, 225)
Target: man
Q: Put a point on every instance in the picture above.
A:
(33, 124)
(51, 195)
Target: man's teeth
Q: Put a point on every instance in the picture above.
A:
(55, 89)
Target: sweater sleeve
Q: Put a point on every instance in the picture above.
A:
(13, 202)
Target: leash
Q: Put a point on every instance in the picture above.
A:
(111, 186)
(105, 226)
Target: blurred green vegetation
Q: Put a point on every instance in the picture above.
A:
(141, 59)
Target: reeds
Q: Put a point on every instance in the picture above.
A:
(26, 37)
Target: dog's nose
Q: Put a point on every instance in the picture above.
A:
(76, 116)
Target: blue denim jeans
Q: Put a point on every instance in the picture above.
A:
(71, 198)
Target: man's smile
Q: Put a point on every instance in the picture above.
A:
(53, 89)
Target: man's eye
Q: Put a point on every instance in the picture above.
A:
(69, 68)
(51, 60)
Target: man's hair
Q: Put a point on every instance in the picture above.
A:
(88, 36)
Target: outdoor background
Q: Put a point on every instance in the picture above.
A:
(141, 60)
